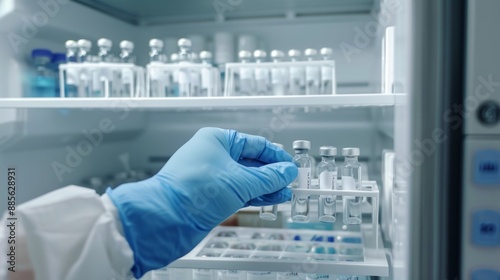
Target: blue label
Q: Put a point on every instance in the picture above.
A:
(486, 228)
(487, 167)
(485, 274)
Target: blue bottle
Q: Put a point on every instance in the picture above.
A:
(43, 83)
(57, 59)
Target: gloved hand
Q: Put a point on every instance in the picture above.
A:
(208, 179)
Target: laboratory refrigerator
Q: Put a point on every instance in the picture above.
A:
(414, 90)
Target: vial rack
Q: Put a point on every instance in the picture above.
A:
(168, 74)
(286, 69)
(288, 250)
(368, 189)
(81, 76)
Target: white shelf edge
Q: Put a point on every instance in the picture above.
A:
(203, 102)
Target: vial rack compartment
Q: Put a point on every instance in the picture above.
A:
(324, 70)
(368, 189)
(82, 77)
(181, 80)
(287, 250)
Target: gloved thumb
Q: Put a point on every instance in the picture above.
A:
(271, 178)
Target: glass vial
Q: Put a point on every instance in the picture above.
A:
(297, 75)
(84, 81)
(312, 73)
(270, 212)
(155, 75)
(327, 73)
(327, 175)
(71, 79)
(207, 85)
(300, 204)
(245, 84)
(125, 82)
(261, 73)
(351, 180)
(184, 76)
(278, 80)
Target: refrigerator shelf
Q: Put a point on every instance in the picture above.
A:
(201, 103)
(286, 250)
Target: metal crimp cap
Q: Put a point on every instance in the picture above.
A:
(244, 54)
(82, 43)
(293, 53)
(125, 44)
(70, 44)
(205, 55)
(350, 152)
(310, 52)
(259, 54)
(277, 53)
(328, 151)
(301, 145)
(155, 43)
(326, 51)
(183, 42)
(103, 42)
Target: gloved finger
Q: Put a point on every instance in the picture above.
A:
(248, 146)
(269, 178)
(251, 162)
(283, 195)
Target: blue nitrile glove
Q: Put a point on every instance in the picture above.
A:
(208, 179)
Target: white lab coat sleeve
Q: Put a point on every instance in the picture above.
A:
(68, 234)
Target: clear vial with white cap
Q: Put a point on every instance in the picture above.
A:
(174, 76)
(327, 175)
(262, 84)
(270, 212)
(206, 74)
(183, 75)
(105, 46)
(297, 74)
(328, 82)
(312, 73)
(278, 74)
(300, 204)
(71, 79)
(351, 180)
(126, 50)
(156, 81)
(245, 74)
(125, 81)
(85, 76)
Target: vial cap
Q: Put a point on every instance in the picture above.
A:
(350, 152)
(259, 54)
(41, 52)
(155, 43)
(310, 52)
(126, 44)
(244, 54)
(205, 55)
(301, 145)
(174, 57)
(328, 151)
(85, 44)
(279, 145)
(58, 57)
(326, 51)
(183, 42)
(293, 53)
(104, 43)
(277, 53)
(70, 44)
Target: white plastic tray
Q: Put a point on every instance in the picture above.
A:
(370, 262)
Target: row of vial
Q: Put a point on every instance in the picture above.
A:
(207, 274)
(293, 80)
(327, 177)
(97, 81)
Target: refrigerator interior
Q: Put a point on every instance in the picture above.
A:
(55, 143)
